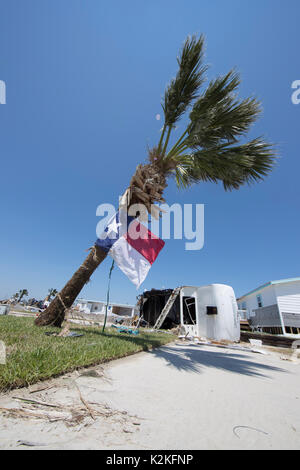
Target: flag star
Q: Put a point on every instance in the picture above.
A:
(113, 226)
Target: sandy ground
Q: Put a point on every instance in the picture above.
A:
(181, 396)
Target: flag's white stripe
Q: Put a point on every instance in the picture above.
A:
(130, 261)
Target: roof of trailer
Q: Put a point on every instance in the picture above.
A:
(271, 283)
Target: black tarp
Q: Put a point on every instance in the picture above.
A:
(152, 303)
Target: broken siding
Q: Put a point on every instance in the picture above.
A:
(268, 317)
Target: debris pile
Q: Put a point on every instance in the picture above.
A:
(79, 411)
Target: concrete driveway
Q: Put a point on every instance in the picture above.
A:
(181, 396)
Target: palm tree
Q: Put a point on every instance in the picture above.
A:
(52, 293)
(22, 293)
(15, 297)
(210, 149)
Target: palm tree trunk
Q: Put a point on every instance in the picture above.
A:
(55, 313)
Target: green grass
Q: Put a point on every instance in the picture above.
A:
(33, 356)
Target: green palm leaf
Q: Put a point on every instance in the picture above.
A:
(218, 116)
(233, 165)
(183, 89)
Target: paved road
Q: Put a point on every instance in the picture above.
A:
(179, 397)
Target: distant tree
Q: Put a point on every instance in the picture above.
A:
(22, 293)
(52, 293)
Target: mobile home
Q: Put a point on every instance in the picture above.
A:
(98, 307)
(274, 307)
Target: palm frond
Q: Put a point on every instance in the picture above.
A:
(183, 89)
(233, 165)
(218, 117)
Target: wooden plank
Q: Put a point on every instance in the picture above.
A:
(268, 340)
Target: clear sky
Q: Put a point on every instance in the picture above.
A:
(84, 83)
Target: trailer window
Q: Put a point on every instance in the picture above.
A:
(211, 310)
(189, 310)
(259, 301)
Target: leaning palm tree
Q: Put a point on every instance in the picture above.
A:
(22, 293)
(209, 149)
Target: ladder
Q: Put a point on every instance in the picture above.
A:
(188, 303)
(167, 308)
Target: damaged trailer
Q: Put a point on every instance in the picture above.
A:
(206, 311)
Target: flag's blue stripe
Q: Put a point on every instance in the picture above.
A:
(106, 243)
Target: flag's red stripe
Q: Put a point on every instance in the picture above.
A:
(147, 244)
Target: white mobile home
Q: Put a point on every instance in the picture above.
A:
(98, 307)
(274, 307)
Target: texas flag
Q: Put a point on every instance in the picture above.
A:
(133, 247)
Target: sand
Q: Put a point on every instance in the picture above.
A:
(181, 396)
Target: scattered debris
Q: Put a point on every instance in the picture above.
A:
(90, 411)
(91, 373)
(247, 427)
(196, 340)
(290, 358)
(257, 346)
(178, 330)
(64, 334)
(259, 351)
(41, 388)
(256, 342)
(34, 402)
(285, 358)
(30, 444)
(39, 414)
(125, 329)
(98, 374)
(72, 414)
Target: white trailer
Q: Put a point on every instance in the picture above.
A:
(210, 312)
(207, 311)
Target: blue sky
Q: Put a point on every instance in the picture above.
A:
(84, 82)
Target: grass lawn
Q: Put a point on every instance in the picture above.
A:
(33, 356)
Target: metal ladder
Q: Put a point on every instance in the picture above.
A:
(167, 308)
(189, 302)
